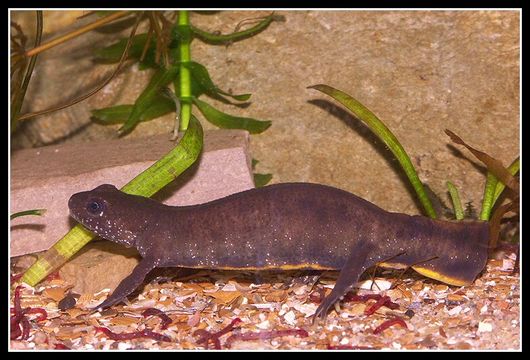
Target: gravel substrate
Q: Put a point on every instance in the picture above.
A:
(234, 310)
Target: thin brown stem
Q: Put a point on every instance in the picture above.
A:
(147, 43)
(160, 39)
(86, 96)
(75, 33)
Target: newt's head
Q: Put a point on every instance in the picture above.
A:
(110, 213)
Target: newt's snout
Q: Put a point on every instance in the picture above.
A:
(73, 205)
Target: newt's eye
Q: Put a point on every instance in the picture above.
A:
(95, 207)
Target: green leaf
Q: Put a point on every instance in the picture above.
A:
(202, 77)
(261, 180)
(147, 183)
(487, 198)
(493, 189)
(113, 53)
(38, 212)
(380, 129)
(148, 96)
(226, 121)
(496, 172)
(513, 169)
(120, 113)
(221, 39)
(455, 198)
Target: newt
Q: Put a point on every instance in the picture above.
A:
(282, 227)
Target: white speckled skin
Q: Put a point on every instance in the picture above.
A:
(293, 225)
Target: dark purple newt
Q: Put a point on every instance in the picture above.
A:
(284, 226)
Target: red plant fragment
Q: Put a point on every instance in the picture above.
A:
(41, 311)
(20, 325)
(133, 335)
(317, 296)
(383, 301)
(54, 276)
(206, 336)
(14, 278)
(16, 300)
(385, 325)
(166, 320)
(60, 346)
(265, 335)
(361, 298)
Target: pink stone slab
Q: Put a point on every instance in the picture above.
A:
(46, 177)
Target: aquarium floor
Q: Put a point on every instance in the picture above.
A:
(275, 311)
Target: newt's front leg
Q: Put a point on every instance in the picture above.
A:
(130, 283)
(350, 273)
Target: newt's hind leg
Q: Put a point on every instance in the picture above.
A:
(356, 264)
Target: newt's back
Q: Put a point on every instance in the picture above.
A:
(294, 225)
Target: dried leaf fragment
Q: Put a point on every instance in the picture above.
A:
(224, 297)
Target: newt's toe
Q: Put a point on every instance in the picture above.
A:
(321, 313)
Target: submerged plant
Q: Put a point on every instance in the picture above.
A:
(498, 177)
(166, 48)
(21, 67)
(38, 212)
(383, 133)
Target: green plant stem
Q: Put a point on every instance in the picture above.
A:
(184, 72)
(158, 175)
(455, 198)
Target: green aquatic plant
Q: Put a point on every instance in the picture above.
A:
(388, 138)
(21, 67)
(498, 177)
(37, 212)
(166, 49)
(173, 63)
(455, 198)
(260, 179)
(20, 56)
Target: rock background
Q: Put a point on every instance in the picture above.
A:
(419, 71)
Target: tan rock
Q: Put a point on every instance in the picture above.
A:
(46, 177)
(99, 265)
